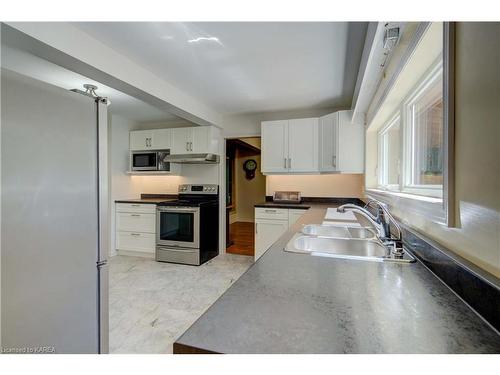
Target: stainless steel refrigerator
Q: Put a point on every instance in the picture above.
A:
(54, 219)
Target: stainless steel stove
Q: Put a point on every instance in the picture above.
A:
(187, 229)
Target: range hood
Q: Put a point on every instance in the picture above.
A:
(193, 158)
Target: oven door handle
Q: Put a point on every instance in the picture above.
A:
(179, 250)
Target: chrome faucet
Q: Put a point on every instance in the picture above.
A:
(374, 220)
(382, 222)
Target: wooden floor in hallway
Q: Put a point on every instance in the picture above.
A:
(242, 236)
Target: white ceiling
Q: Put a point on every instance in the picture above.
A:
(245, 67)
(121, 104)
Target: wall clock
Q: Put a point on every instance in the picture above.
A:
(249, 167)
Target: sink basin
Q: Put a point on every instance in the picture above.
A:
(338, 232)
(344, 248)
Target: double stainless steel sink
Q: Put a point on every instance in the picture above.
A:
(344, 242)
(338, 231)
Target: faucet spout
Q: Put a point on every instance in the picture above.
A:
(366, 214)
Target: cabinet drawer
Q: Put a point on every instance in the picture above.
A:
(271, 213)
(136, 207)
(135, 222)
(132, 241)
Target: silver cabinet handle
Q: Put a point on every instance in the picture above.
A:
(187, 146)
(135, 205)
(135, 234)
(290, 163)
(190, 146)
(270, 210)
(256, 228)
(334, 161)
(285, 163)
(135, 215)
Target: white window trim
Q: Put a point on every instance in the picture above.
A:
(437, 210)
(382, 151)
(408, 134)
(404, 116)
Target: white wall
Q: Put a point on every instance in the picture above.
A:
(327, 185)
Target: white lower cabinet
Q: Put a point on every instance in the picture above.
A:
(136, 241)
(136, 227)
(267, 232)
(270, 224)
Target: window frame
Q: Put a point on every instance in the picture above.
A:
(404, 116)
(382, 153)
(438, 210)
(433, 74)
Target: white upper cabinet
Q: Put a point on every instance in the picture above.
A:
(341, 144)
(351, 144)
(330, 144)
(157, 139)
(200, 139)
(141, 140)
(181, 138)
(328, 137)
(196, 140)
(274, 145)
(162, 139)
(192, 140)
(290, 146)
(303, 145)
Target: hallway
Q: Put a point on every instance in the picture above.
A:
(242, 237)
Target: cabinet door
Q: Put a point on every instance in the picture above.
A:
(200, 140)
(134, 222)
(132, 241)
(328, 128)
(294, 215)
(267, 232)
(181, 138)
(351, 144)
(162, 139)
(303, 145)
(274, 146)
(141, 139)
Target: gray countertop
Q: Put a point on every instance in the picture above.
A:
(298, 303)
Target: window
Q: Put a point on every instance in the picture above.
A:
(424, 136)
(389, 143)
(410, 133)
(411, 144)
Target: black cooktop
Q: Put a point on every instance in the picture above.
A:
(190, 202)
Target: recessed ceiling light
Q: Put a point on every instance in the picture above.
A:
(205, 38)
(167, 37)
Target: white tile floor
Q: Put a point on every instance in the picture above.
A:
(151, 304)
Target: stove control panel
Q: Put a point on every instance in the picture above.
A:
(198, 189)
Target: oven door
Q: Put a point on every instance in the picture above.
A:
(178, 226)
(143, 161)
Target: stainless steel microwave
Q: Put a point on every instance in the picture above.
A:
(149, 161)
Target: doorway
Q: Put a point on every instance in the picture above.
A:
(245, 187)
